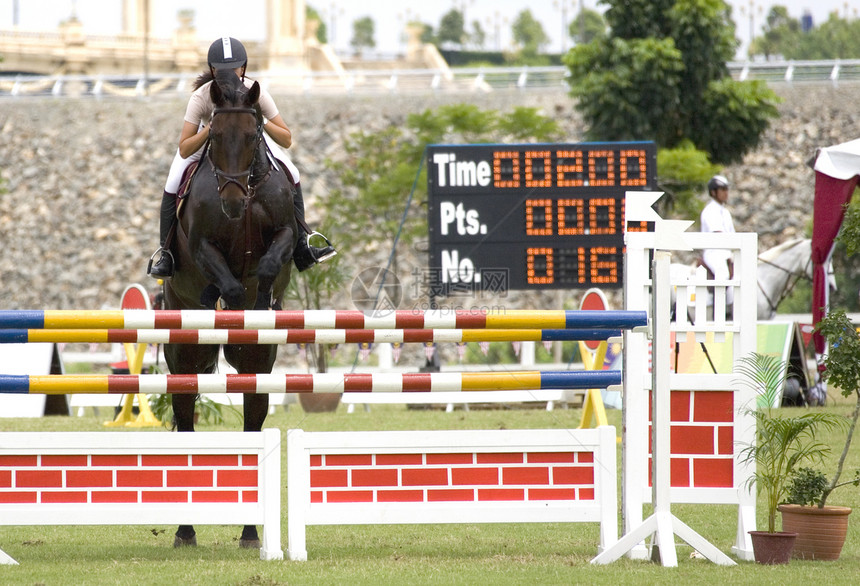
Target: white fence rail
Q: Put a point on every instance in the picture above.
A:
(394, 81)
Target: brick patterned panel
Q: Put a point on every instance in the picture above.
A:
(131, 479)
(435, 477)
(702, 439)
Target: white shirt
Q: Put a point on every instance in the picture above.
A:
(717, 218)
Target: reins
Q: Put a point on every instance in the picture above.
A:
(787, 290)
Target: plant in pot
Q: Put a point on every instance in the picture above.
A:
(782, 444)
(822, 528)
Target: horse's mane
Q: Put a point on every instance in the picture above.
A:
(772, 253)
(230, 83)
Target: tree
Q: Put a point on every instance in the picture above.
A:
(528, 33)
(661, 75)
(779, 30)
(322, 31)
(587, 26)
(451, 28)
(783, 36)
(362, 34)
(478, 37)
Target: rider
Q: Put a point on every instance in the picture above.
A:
(716, 217)
(228, 53)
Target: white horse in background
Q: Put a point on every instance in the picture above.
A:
(778, 270)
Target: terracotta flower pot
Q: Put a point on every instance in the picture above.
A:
(820, 532)
(772, 548)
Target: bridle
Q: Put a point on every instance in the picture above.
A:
(787, 290)
(225, 179)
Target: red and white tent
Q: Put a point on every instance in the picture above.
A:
(837, 171)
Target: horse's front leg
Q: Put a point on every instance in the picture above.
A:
(213, 265)
(279, 254)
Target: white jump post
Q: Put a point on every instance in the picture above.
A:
(132, 478)
(499, 476)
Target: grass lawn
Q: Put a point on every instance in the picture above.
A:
(397, 554)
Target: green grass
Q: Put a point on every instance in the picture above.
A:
(394, 554)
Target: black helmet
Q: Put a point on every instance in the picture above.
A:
(227, 53)
(717, 182)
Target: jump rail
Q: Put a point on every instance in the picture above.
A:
(297, 336)
(127, 478)
(415, 382)
(139, 319)
(392, 477)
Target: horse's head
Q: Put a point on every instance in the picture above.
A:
(235, 133)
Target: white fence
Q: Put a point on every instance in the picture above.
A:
(397, 81)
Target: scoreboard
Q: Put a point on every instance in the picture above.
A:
(532, 216)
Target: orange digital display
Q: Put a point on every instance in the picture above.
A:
(532, 216)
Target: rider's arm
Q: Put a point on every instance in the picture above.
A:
(277, 129)
(190, 140)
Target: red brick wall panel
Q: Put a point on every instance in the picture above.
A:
(501, 494)
(19, 461)
(680, 406)
(711, 406)
(552, 494)
(114, 496)
(164, 496)
(551, 457)
(183, 478)
(215, 496)
(163, 461)
(249, 460)
(585, 457)
(679, 472)
(725, 440)
(374, 477)
(436, 459)
(215, 460)
(39, 479)
(89, 478)
(65, 496)
(141, 478)
(321, 478)
(474, 476)
(114, 461)
(530, 475)
(399, 459)
(236, 478)
(400, 496)
(691, 439)
(250, 496)
(5, 479)
(713, 473)
(64, 460)
(451, 495)
(424, 476)
(348, 460)
(572, 475)
(21, 496)
(349, 496)
(586, 494)
(499, 458)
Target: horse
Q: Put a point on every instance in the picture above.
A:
(234, 245)
(779, 269)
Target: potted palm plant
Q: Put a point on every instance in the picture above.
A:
(821, 528)
(782, 444)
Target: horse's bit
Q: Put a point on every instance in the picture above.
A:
(788, 289)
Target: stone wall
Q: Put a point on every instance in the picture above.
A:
(84, 177)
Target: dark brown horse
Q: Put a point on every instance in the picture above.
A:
(234, 241)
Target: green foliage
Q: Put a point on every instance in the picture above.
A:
(208, 411)
(528, 33)
(381, 169)
(738, 114)
(451, 28)
(806, 487)
(683, 174)
(836, 38)
(587, 26)
(322, 31)
(782, 443)
(362, 34)
(842, 368)
(661, 75)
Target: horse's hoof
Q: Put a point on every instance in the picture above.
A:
(185, 541)
(250, 544)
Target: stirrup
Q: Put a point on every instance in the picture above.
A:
(160, 253)
(332, 253)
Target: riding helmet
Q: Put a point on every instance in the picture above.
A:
(717, 182)
(227, 53)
